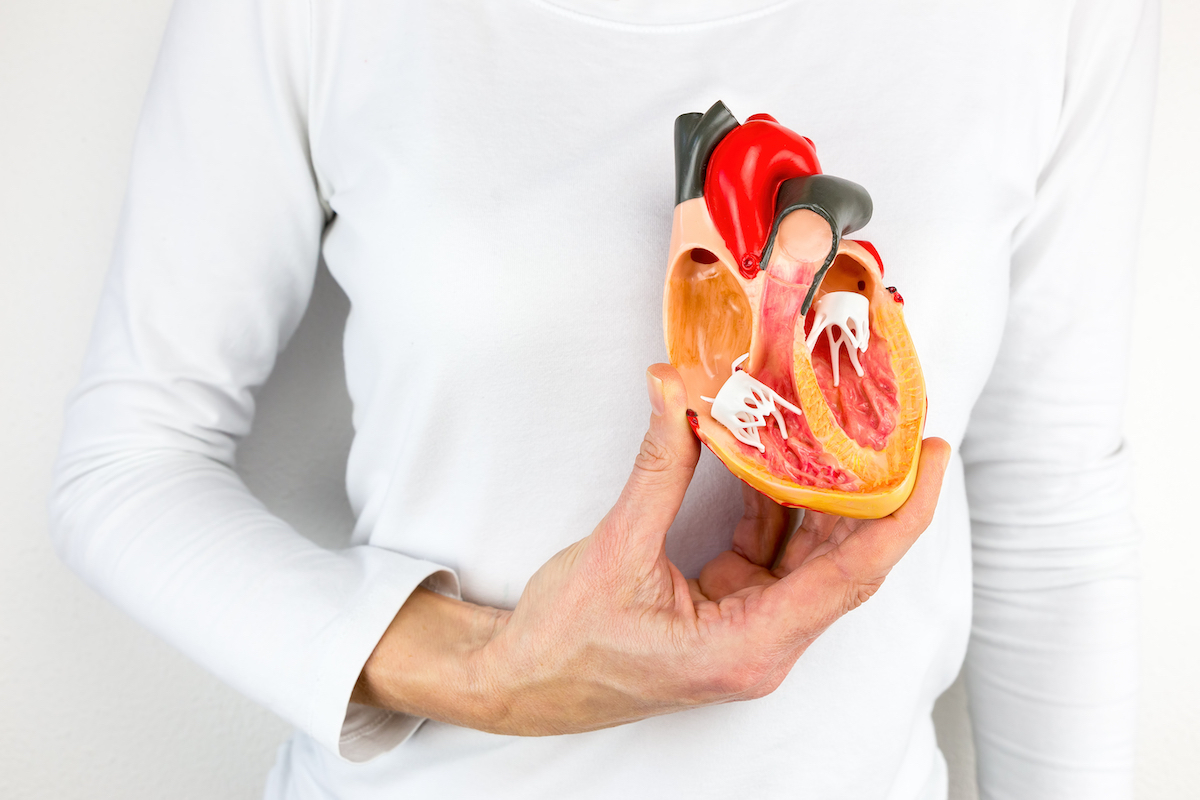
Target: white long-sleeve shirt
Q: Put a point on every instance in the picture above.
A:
(491, 185)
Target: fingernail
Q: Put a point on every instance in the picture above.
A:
(655, 388)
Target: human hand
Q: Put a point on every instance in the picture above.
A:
(608, 631)
(762, 553)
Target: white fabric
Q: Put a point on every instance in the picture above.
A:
(491, 184)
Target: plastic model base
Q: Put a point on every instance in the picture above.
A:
(801, 375)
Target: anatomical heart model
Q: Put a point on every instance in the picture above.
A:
(800, 372)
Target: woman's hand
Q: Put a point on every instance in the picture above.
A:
(609, 631)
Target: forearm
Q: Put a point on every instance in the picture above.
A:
(212, 269)
(1052, 662)
(429, 662)
(1052, 665)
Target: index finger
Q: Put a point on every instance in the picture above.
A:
(863, 559)
(917, 510)
(873, 549)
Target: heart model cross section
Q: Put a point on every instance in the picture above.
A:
(759, 403)
(799, 369)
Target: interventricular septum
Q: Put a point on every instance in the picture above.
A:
(743, 404)
(848, 313)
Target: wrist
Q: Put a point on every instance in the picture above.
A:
(429, 662)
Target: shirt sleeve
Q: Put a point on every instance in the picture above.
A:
(214, 264)
(1052, 662)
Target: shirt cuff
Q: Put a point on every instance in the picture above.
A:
(356, 732)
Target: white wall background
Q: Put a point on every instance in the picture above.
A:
(92, 706)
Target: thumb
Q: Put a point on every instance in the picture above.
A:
(663, 467)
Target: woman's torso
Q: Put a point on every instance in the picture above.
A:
(501, 175)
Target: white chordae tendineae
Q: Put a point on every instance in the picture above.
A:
(743, 404)
(848, 313)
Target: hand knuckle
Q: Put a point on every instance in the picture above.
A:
(746, 675)
(860, 592)
(738, 682)
(653, 456)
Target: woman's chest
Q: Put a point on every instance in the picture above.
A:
(502, 180)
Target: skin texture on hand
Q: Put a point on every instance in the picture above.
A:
(609, 631)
